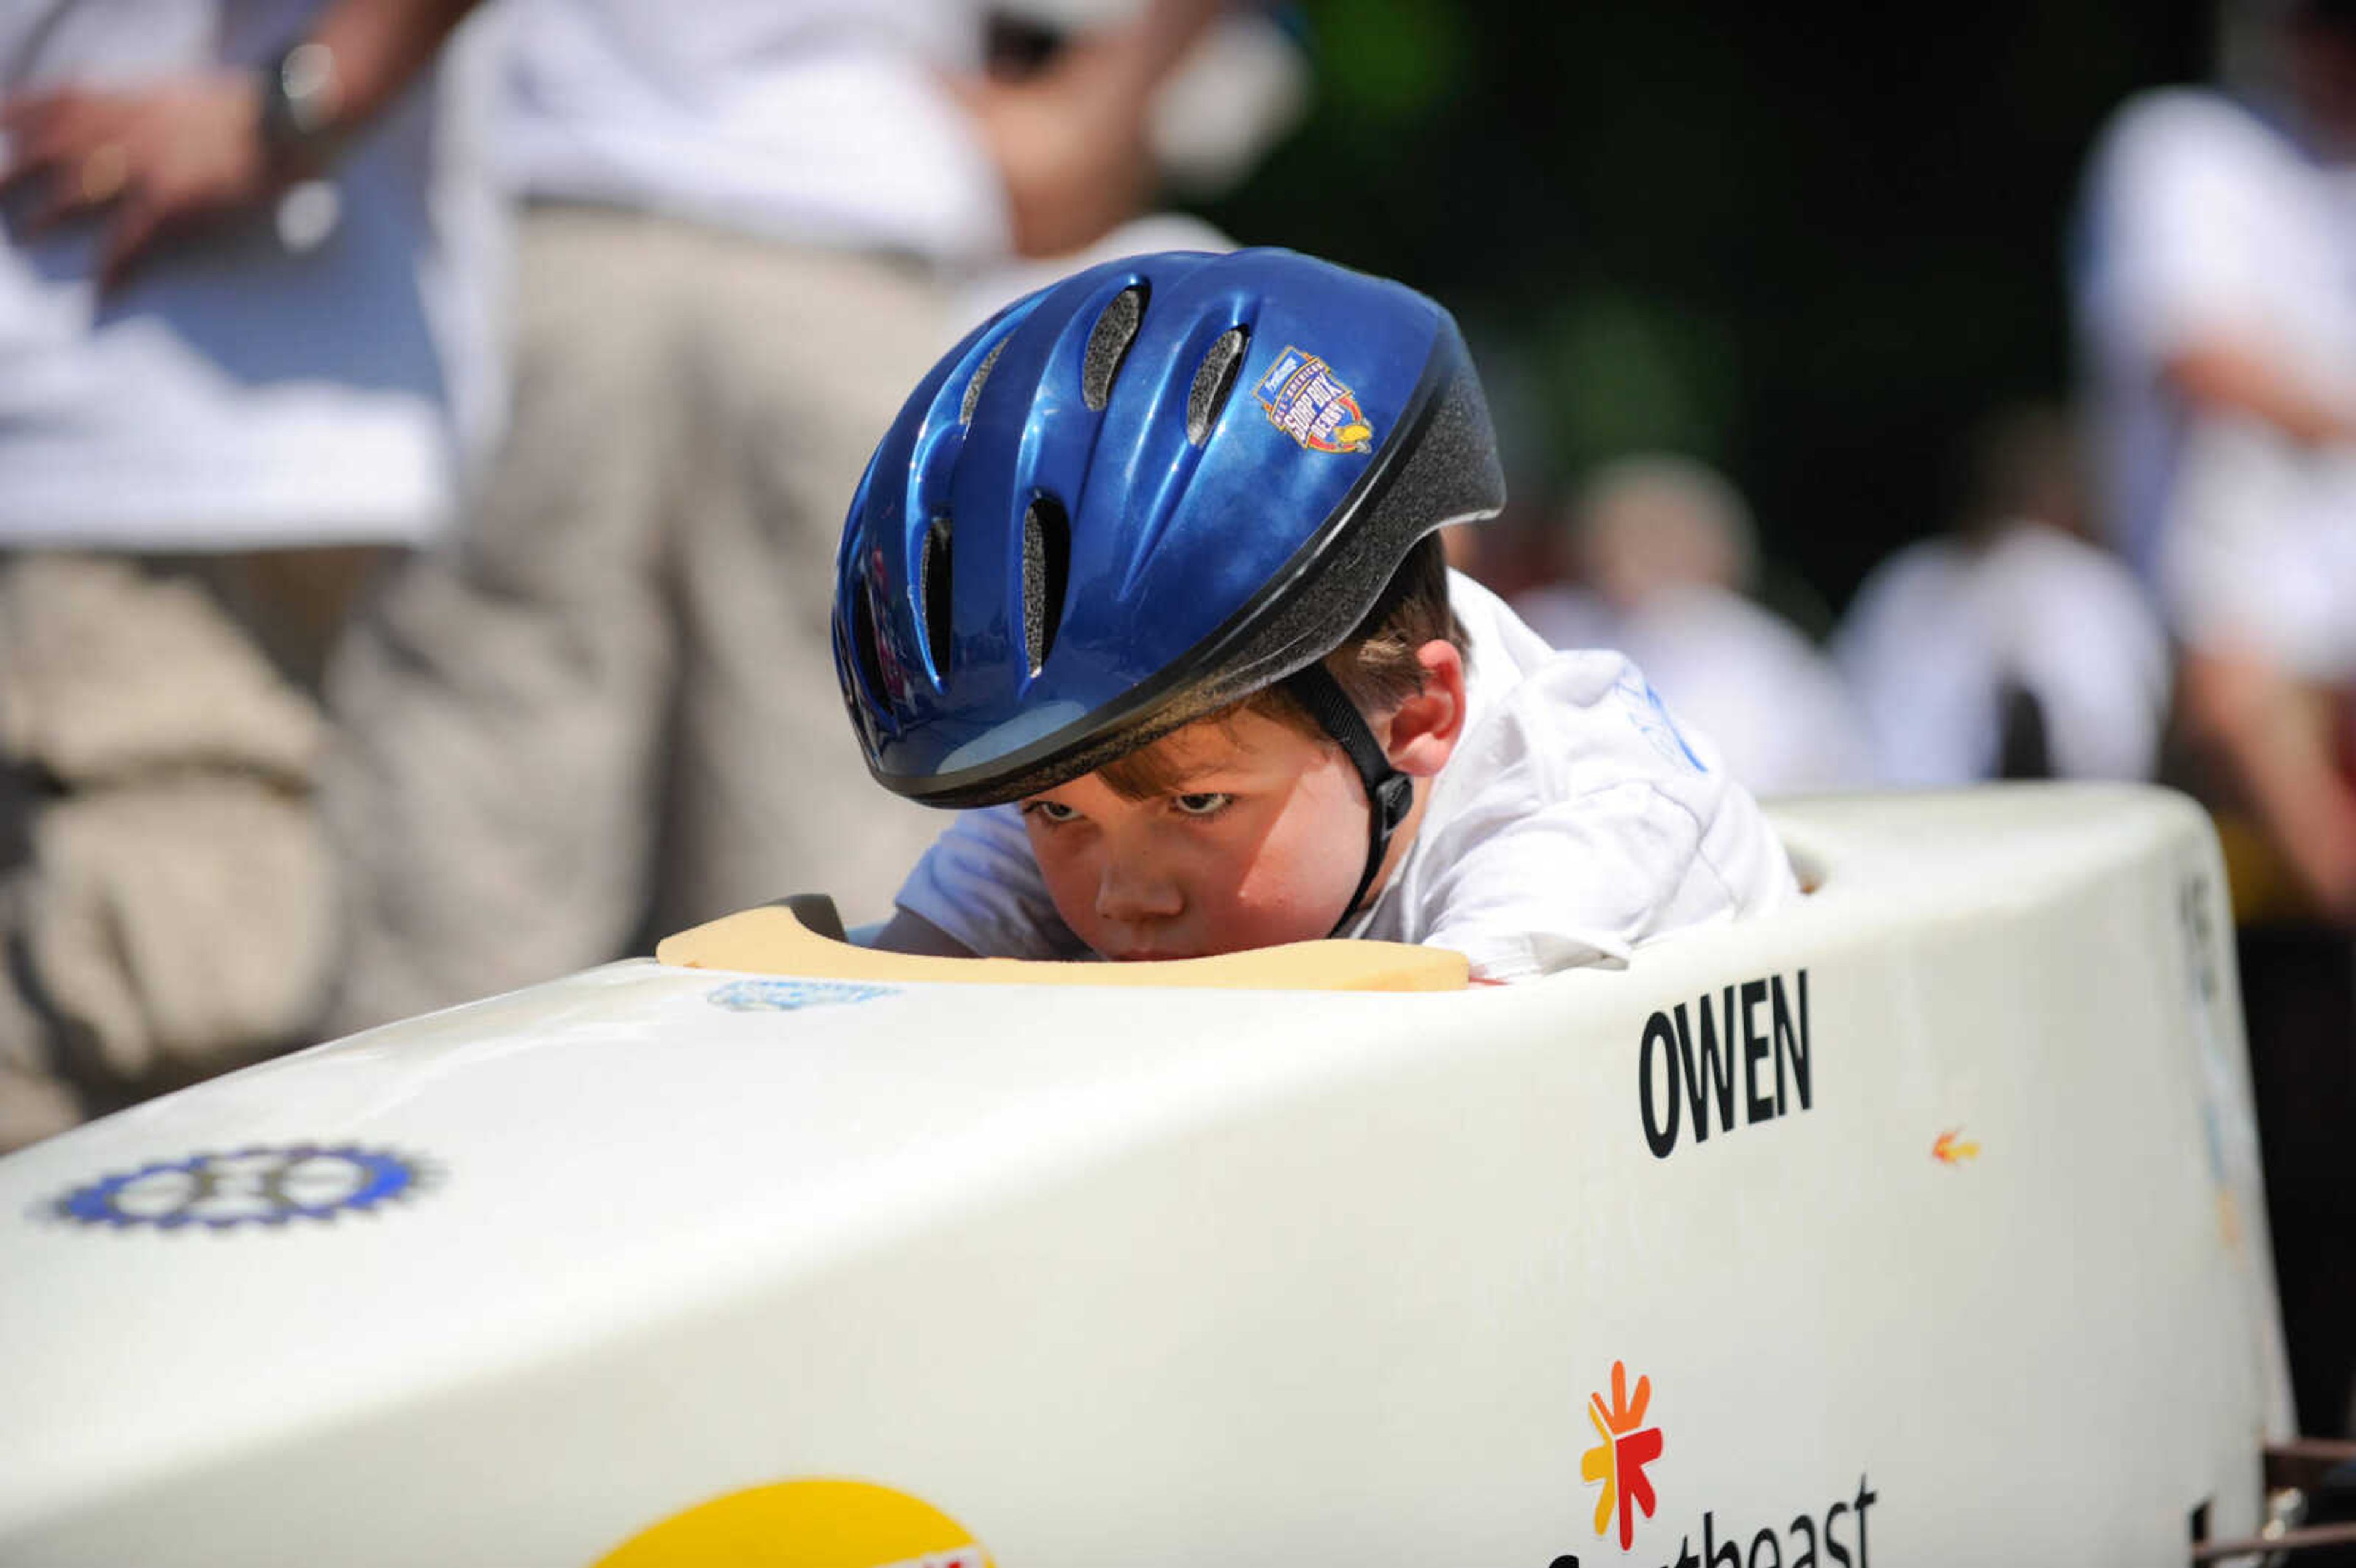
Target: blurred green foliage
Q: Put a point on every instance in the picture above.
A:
(1813, 246)
(1395, 59)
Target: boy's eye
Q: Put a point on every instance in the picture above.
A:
(1207, 804)
(1049, 810)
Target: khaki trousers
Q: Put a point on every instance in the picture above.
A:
(167, 897)
(610, 711)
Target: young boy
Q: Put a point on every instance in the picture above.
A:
(1149, 566)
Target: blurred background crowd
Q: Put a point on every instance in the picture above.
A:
(425, 426)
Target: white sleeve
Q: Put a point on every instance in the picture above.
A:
(2178, 254)
(1598, 827)
(980, 884)
(1918, 664)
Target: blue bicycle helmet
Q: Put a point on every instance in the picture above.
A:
(1139, 496)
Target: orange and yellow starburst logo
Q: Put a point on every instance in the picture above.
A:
(1620, 1459)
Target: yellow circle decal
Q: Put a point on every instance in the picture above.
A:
(805, 1524)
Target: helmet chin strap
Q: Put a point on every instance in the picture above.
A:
(1390, 793)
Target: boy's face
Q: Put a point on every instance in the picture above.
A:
(1258, 839)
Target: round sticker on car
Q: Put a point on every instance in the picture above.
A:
(260, 1185)
(805, 1524)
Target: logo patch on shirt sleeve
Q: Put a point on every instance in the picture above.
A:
(1307, 401)
(1651, 716)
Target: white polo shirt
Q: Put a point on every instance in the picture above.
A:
(1576, 821)
(823, 121)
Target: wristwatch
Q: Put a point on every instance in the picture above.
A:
(300, 95)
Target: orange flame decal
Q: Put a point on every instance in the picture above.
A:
(1948, 1151)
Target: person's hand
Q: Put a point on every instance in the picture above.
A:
(149, 163)
(1070, 142)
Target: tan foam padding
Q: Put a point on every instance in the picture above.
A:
(770, 941)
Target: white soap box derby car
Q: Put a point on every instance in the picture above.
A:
(1920, 1224)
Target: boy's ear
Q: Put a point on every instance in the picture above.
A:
(1422, 733)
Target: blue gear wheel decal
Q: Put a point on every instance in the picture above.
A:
(258, 1185)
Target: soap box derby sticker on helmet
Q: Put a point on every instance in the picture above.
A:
(792, 996)
(1308, 403)
(1073, 540)
(258, 1185)
(805, 1524)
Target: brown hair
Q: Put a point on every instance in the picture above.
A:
(1376, 667)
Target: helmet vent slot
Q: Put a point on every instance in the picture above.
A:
(1214, 379)
(1046, 570)
(1109, 343)
(980, 374)
(934, 574)
(863, 644)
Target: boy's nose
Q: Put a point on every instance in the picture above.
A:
(1131, 888)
